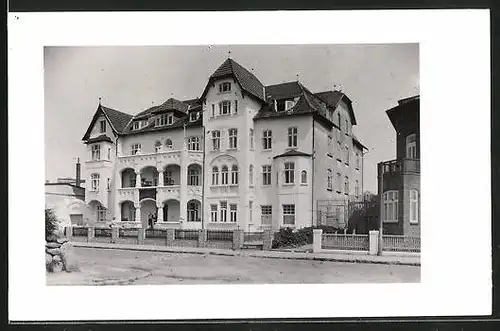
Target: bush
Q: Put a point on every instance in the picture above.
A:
(50, 223)
(287, 237)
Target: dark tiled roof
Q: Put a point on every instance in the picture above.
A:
(332, 98)
(292, 152)
(283, 91)
(405, 100)
(246, 79)
(193, 103)
(117, 118)
(102, 137)
(170, 104)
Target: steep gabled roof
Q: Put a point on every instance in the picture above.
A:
(247, 81)
(332, 98)
(117, 119)
(170, 104)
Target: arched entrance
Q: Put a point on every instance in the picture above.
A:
(148, 212)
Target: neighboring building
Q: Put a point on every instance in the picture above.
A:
(66, 200)
(242, 155)
(69, 180)
(399, 179)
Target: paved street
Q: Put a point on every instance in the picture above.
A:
(111, 267)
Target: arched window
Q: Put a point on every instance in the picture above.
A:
(94, 182)
(215, 176)
(234, 174)
(193, 176)
(250, 174)
(224, 175)
(390, 205)
(411, 146)
(303, 177)
(193, 211)
(157, 147)
(168, 143)
(414, 206)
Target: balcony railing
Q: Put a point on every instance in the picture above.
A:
(402, 166)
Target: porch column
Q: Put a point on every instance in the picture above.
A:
(160, 176)
(160, 212)
(138, 213)
(137, 178)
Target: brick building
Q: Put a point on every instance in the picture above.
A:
(399, 179)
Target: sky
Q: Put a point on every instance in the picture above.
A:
(132, 79)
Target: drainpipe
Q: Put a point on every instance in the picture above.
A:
(312, 176)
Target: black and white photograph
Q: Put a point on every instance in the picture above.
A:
(232, 164)
(224, 169)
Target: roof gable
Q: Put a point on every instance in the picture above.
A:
(333, 98)
(247, 81)
(117, 120)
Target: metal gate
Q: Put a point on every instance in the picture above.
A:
(358, 216)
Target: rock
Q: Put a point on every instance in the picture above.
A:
(57, 265)
(52, 245)
(51, 238)
(68, 257)
(48, 262)
(53, 251)
(62, 240)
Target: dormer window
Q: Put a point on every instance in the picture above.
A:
(280, 105)
(225, 87)
(136, 125)
(289, 104)
(225, 108)
(193, 116)
(164, 119)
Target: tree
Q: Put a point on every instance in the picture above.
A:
(50, 223)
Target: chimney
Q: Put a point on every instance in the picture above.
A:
(78, 173)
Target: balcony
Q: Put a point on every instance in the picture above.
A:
(399, 166)
(142, 160)
(169, 192)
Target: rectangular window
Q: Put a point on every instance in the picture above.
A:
(346, 185)
(289, 172)
(136, 125)
(136, 149)
(267, 138)
(224, 175)
(236, 106)
(266, 214)
(411, 150)
(346, 158)
(330, 147)
(213, 213)
(223, 211)
(390, 206)
(289, 214)
(216, 140)
(233, 138)
(225, 87)
(346, 127)
(94, 182)
(213, 110)
(101, 213)
(339, 183)
(266, 175)
(358, 159)
(225, 108)
(168, 179)
(233, 209)
(356, 188)
(109, 153)
(292, 137)
(251, 139)
(250, 209)
(96, 152)
(194, 143)
(339, 151)
(413, 206)
(329, 180)
(103, 126)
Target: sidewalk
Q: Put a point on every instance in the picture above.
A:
(334, 256)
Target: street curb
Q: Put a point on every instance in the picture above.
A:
(179, 250)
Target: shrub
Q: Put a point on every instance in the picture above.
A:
(50, 223)
(287, 237)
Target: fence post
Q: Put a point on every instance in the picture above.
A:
(202, 235)
(238, 237)
(114, 234)
(373, 242)
(170, 237)
(267, 240)
(141, 235)
(90, 233)
(317, 238)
